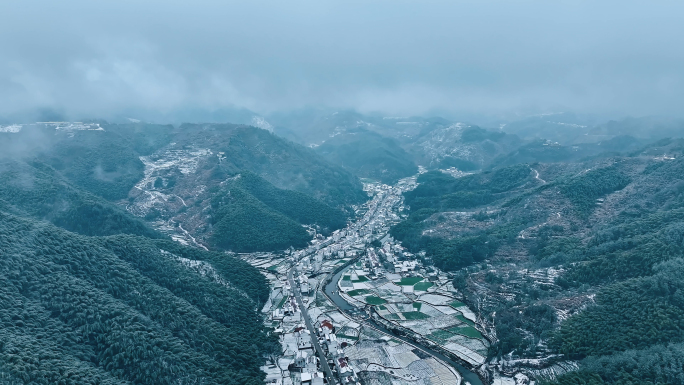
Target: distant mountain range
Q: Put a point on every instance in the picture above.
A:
(118, 239)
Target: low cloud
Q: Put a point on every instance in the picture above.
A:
(99, 59)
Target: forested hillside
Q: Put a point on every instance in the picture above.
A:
(250, 214)
(568, 253)
(85, 178)
(113, 301)
(315, 126)
(581, 259)
(546, 151)
(37, 190)
(438, 192)
(103, 162)
(125, 309)
(633, 331)
(466, 147)
(369, 155)
(285, 164)
(441, 191)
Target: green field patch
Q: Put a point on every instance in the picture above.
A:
(457, 304)
(362, 278)
(414, 315)
(273, 268)
(423, 286)
(391, 316)
(467, 331)
(417, 305)
(346, 277)
(282, 302)
(373, 300)
(382, 307)
(410, 281)
(464, 319)
(356, 292)
(347, 337)
(440, 336)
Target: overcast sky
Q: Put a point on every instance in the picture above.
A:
(96, 58)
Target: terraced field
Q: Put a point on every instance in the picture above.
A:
(428, 307)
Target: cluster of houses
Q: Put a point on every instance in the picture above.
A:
(390, 253)
(299, 363)
(335, 353)
(304, 366)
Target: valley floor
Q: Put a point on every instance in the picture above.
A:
(355, 292)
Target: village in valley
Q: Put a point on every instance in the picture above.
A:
(358, 308)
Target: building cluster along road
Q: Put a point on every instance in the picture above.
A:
(328, 336)
(312, 330)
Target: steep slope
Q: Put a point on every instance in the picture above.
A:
(105, 161)
(295, 205)
(441, 191)
(368, 155)
(439, 194)
(124, 309)
(546, 151)
(565, 128)
(313, 127)
(569, 129)
(249, 214)
(200, 198)
(348, 138)
(283, 163)
(167, 176)
(577, 259)
(652, 128)
(242, 223)
(461, 145)
(35, 189)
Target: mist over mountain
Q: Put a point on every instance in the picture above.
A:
(170, 61)
(545, 229)
(311, 193)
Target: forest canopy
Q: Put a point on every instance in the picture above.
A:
(124, 309)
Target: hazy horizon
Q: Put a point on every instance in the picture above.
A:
(81, 59)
